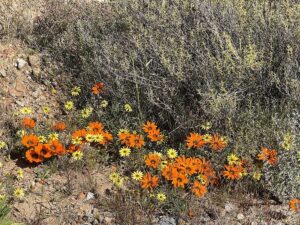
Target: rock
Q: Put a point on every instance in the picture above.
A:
(36, 71)
(88, 217)
(90, 196)
(20, 63)
(96, 222)
(165, 220)
(229, 207)
(34, 60)
(3, 73)
(240, 216)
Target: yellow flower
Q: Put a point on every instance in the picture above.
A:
(137, 175)
(2, 197)
(77, 155)
(53, 136)
(201, 179)
(98, 137)
(163, 164)
(119, 181)
(19, 193)
(76, 141)
(124, 152)
(21, 133)
(160, 155)
(90, 137)
(121, 131)
(206, 126)
(46, 109)
(75, 91)
(104, 104)
(114, 176)
(26, 110)
(232, 159)
(20, 174)
(172, 153)
(128, 108)
(161, 197)
(224, 139)
(69, 105)
(2, 144)
(287, 142)
(53, 91)
(42, 139)
(207, 138)
(257, 175)
(86, 112)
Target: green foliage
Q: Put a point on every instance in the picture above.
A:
(4, 210)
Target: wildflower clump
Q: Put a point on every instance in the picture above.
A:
(41, 148)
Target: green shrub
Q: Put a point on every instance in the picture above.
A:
(180, 62)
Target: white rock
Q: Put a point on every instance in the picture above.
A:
(240, 216)
(90, 196)
(20, 63)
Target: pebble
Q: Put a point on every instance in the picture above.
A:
(166, 220)
(90, 196)
(240, 216)
(229, 207)
(20, 63)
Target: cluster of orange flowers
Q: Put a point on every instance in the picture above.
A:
(236, 170)
(215, 142)
(268, 155)
(183, 169)
(38, 151)
(180, 172)
(153, 133)
(97, 88)
(131, 140)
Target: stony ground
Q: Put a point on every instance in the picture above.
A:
(83, 197)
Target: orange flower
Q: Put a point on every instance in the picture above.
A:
(95, 127)
(149, 181)
(136, 141)
(43, 151)
(59, 126)
(73, 148)
(295, 205)
(179, 179)
(125, 138)
(155, 135)
(149, 127)
(195, 141)
(79, 133)
(186, 165)
(30, 140)
(97, 88)
(107, 137)
(233, 172)
(167, 172)
(152, 160)
(217, 143)
(33, 157)
(199, 189)
(268, 155)
(28, 123)
(56, 147)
